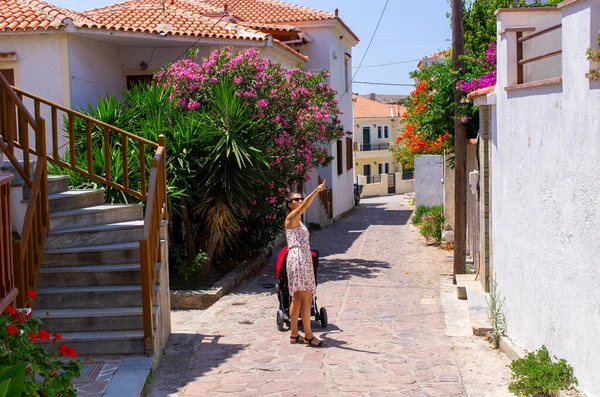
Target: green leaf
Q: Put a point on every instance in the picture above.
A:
(12, 380)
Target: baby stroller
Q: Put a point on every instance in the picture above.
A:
(283, 293)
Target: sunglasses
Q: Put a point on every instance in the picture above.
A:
(297, 199)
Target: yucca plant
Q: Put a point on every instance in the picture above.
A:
(233, 168)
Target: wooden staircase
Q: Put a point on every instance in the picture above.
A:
(100, 270)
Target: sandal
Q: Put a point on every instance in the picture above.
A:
(309, 343)
(296, 339)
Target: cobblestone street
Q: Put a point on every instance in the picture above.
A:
(395, 325)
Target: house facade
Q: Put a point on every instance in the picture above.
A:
(537, 182)
(101, 51)
(377, 126)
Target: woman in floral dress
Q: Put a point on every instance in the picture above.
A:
(301, 277)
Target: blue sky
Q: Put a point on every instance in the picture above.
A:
(408, 31)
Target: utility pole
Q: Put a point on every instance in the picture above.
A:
(460, 147)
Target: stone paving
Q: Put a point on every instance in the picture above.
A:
(395, 325)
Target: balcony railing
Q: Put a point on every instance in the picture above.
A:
(373, 179)
(537, 71)
(368, 147)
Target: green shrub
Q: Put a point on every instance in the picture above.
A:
(536, 375)
(419, 212)
(430, 220)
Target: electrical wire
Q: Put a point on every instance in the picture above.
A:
(397, 84)
(368, 47)
(374, 66)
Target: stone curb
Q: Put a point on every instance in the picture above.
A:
(200, 300)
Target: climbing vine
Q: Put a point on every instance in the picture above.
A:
(594, 56)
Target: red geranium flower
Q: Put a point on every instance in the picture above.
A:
(43, 335)
(32, 336)
(56, 336)
(66, 351)
(12, 329)
(10, 310)
(32, 294)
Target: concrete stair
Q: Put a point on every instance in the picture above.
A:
(89, 287)
(470, 289)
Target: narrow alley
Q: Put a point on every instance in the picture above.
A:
(395, 325)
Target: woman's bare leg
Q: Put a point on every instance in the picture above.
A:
(294, 312)
(305, 314)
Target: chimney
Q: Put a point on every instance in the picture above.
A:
(373, 96)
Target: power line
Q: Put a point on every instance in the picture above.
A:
(369, 46)
(396, 84)
(374, 66)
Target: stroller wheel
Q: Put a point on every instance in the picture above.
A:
(280, 320)
(323, 317)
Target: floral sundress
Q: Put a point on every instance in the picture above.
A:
(301, 276)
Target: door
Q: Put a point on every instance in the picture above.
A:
(367, 172)
(366, 138)
(392, 184)
(9, 75)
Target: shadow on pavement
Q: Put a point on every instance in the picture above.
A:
(343, 269)
(339, 237)
(184, 352)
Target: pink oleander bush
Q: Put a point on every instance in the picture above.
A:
(297, 113)
(488, 64)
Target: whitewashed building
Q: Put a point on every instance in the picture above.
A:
(73, 58)
(540, 160)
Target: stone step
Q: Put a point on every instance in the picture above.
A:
(91, 255)
(7, 166)
(97, 215)
(93, 320)
(92, 275)
(89, 297)
(72, 199)
(104, 343)
(56, 184)
(477, 302)
(111, 233)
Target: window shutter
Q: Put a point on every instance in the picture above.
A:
(387, 131)
(340, 160)
(349, 156)
(379, 132)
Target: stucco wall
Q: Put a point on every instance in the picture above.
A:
(428, 180)
(95, 71)
(38, 67)
(326, 51)
(545, 196)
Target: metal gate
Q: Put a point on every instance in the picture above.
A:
(392, 184)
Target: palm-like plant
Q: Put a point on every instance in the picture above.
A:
(233, 168)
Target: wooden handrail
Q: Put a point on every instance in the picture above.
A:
(16, 122)
(521, 61)
(150, 243)
(539, 33)
(8, 292)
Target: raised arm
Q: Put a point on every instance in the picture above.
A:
(294, 216)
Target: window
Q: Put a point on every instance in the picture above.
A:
(339, 155)
(383, 131)
(139, 79)
(367, 169)
(347, 72)
(9, 75)
(383, 168)
(349, 156)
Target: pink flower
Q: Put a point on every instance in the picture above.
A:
(262, 102)
(237, 79)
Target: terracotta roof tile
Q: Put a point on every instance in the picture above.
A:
(367, 108)
(31, 14)
(270, 11)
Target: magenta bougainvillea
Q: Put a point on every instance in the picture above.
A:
(488, 79)
(298, 112)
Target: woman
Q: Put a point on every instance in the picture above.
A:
(301, 276)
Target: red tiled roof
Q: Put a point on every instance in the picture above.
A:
(33, 14)
(269, 11)
(367, 108)
(481, 92)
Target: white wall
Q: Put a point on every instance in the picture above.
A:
(428, 180)
(327, 51)
(545, 204)
(95, 71)
(38, 67)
